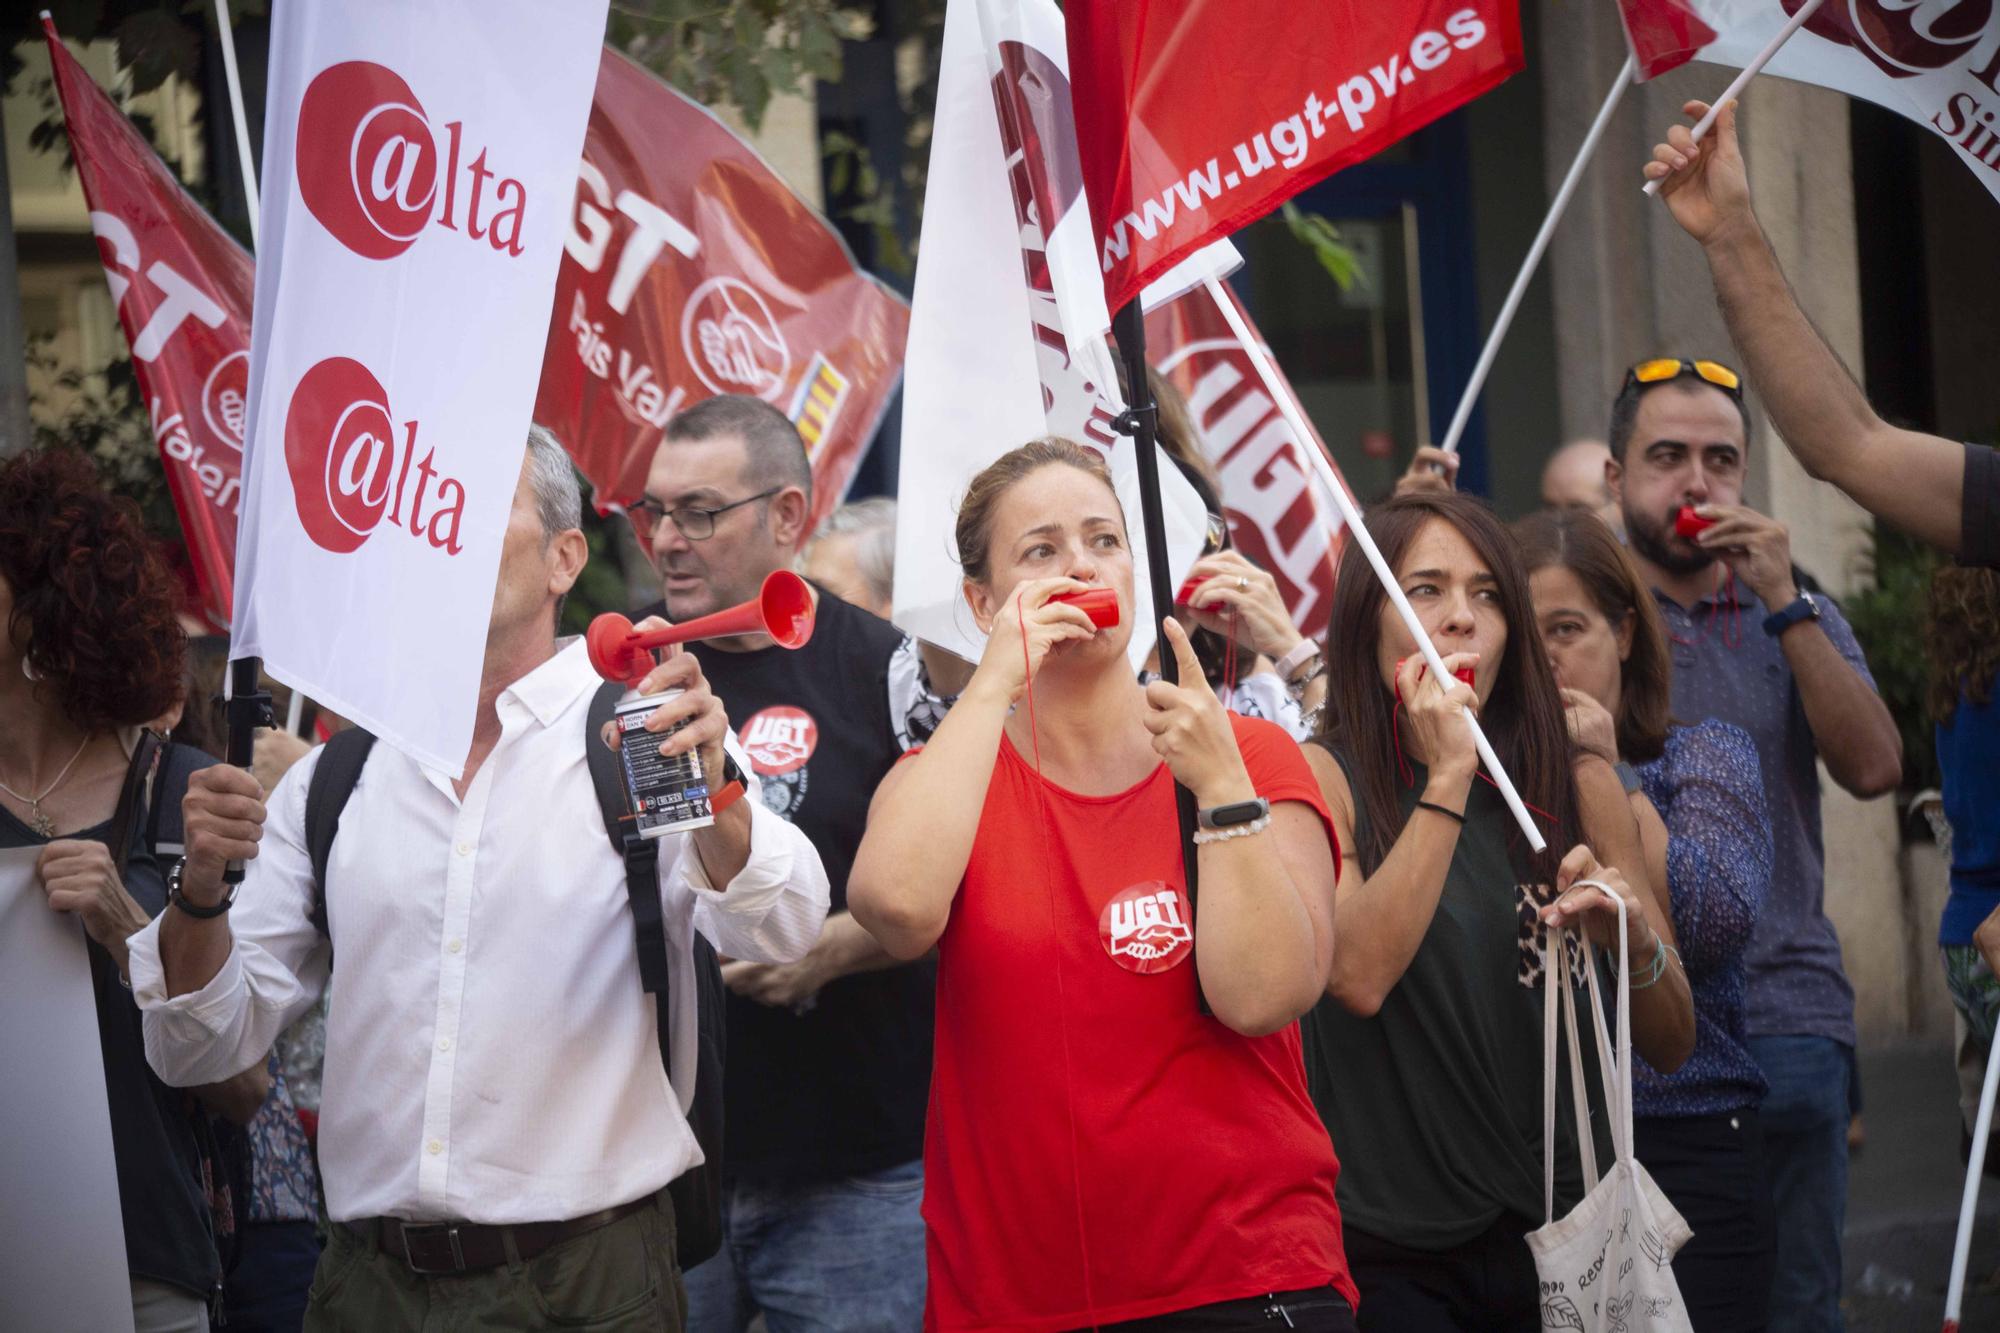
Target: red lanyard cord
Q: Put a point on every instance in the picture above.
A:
(1062, 998)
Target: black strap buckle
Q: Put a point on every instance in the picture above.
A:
(413, 1234)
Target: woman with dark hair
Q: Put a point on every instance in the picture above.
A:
(1099, 1152)
(1698, 794)
(91, 653)
(1426, 1057)
(1962, 641)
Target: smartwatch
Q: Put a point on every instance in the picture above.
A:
(1805, 608)
(1229, 816)
(1627, 775)
(174, 898)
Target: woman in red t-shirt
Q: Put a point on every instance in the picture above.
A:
(1098, 1152)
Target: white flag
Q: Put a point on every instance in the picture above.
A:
(1007, 329)
(419, 162)
(1935, 61)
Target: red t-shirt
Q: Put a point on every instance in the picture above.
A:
(1181, 1162)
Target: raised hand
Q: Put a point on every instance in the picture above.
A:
(1704, 184)
(1231, 584)
(1190, 730)
(696, 705)
(1432, 711)
(223, 815)
(1029, 618)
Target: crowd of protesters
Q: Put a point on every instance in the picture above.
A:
(985, 1061)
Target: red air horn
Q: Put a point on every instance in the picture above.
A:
(1100, 604)
(1689, 524)
(783, 609)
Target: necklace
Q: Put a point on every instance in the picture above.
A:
(44, 826)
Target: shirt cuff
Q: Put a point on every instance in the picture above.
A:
(763, 877)
(213, 1007)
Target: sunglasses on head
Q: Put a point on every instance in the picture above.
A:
(1665, 368)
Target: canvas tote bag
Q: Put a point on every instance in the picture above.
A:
(1606, 1267)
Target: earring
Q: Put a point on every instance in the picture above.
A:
(27, 670)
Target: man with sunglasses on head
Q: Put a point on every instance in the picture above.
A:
(828, 1059)
(1753, 649)
(1941, 491)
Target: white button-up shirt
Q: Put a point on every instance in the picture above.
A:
(490, 1053)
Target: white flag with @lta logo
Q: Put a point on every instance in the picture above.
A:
(419, 162)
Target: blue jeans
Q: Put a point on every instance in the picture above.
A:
(844, 1255)
(1805, 1117)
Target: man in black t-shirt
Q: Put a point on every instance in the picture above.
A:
(829, 1058)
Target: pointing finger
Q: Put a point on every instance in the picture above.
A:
(1183, 650)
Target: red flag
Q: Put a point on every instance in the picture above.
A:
(692, 269)
(1280, 515)
(1194, 117)
(182, 288)
(1665, 34)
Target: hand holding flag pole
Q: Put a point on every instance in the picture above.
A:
(1750, 71)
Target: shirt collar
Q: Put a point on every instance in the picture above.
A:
(548, 690)
(1743, 596)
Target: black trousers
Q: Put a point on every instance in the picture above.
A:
(1316, 1310)
(1712, 1169)
(1486, 1285)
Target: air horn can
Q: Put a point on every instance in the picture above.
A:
(669, 794)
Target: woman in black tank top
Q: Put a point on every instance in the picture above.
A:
(1425, 1056)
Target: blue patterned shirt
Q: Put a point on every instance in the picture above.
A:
(1709, 791)
(1726, 667)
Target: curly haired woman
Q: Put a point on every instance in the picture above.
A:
(92, 652)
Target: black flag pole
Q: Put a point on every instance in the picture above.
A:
(247, 708)
(1141, 422)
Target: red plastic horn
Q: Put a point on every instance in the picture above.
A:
(1185, 597)
(1689, 524)
(783, 609)
(1100, 604)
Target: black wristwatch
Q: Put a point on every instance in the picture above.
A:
(1229, 816)
(174, 898)
(1805, 608)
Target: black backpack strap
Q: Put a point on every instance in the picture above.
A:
(641, 855)
(333, 779)
(165, 835)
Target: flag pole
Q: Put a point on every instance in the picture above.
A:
(1750, 71)
(1352, 517)
(236, 112)
(1961, 1251)
(1141, 421)
(247, 705)
(1557, 207)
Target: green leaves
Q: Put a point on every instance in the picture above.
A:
(739, 52)
(1321, 237)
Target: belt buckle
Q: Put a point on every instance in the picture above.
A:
(425, 1231)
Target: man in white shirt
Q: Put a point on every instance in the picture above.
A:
(493, 1071)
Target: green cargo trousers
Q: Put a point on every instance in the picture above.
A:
(617, 1279)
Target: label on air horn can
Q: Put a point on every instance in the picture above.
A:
(668, 794)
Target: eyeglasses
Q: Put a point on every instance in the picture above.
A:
(697, 525)
(1216, 537)
(1662, 369)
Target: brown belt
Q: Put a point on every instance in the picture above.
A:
(434, 1248)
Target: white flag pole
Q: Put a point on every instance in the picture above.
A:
(1750, 71)
(1352, 517)
(1557, 206)
(296, 711)
(236, 110)
(1961, 1252)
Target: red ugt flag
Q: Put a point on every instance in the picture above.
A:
(182, 288)
(691, 269)
(1666, 34)
(1195, 117)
